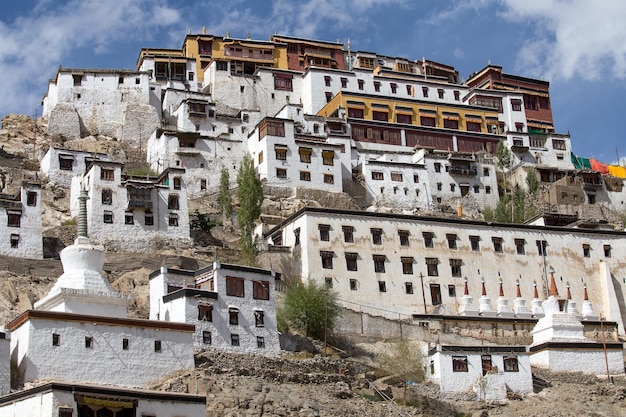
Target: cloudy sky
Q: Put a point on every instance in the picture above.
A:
(577, 45)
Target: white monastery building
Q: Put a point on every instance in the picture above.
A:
(20, 222)
(61, 165)
(233, 307)
(134, 213)
(404, 261)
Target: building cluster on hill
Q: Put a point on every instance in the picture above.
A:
(403, 138)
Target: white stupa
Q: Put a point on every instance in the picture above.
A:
(83, 288)
(467, 304)
(502, 305)
(587, 309)
(559, 342)
(536, 305)
(521, 311)
(484, 303)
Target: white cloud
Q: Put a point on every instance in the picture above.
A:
(572, 38)
(34, 44)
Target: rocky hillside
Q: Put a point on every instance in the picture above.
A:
(244, 385)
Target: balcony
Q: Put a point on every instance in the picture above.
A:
(588, 186)
(463, 171)
(141, 204)
(519, 148)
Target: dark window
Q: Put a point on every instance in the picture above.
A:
(475, 242)
(431, 265)
(173, 220)
(396, 176)
(408, 287)
(106, 174)
(329, 179)
(15, 240)
(234, 287)
(328, 281)
(428, 121)
(353, 285)
(541, 247)
(205, 312)
(344, 82)
(129, 218)
(381, 116)
(407, 265)
(451, 291)
(327, 80)
(157, 346)
(31, 198)
(425, 91)
(14, 219)
(377, 175)
(172, 202)
(586, 250)
(382, 286)
(361, 84)
(451, 238)
(296, 234)
(497, 244)
(56, 339)
(327, 259)
(485, 172)
(207, 338)
(259, 318)
(148, 218)
(511, 364)
(66, 163)
(455, 267)
(234, 340)
(440, 92)
(450, 123)
(107, 196)
(260, 342)
(348, 234)
(281, 153)
(283, 82)
(261, 290)
(305, 176)
(487, 190)
(355, 113)
(435, 294)
(281, 173)
(379, 263)
(607, 251)
(125, 344)
(233, 316)
(202, 184)
(437, 167)
(329, 96)
(473, 126)
(88, 342)
(516, 105)
(394, 87)
(377, 86)
(66, 412)
(409, 89)
(377, 236)
(108, 217)
(459, 364)
(177, 182)
(457, 95)
(520, 246)
(324, 232)
(404, 237)
(428, 239)
(351, 261)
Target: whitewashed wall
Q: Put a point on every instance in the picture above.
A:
(5, 361)
(587, 361)
(106, 362)
(519, 382)
(30, 243)
(50, 164)
(602, 274)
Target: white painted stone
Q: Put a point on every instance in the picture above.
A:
(5, 363)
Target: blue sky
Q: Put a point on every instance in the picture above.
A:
(577, 45)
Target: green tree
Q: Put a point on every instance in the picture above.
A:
(404, 360)
(310, 308)
(225, 198)
(504, 156)
(532, 180)
(250, 195)
(519, 205)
